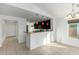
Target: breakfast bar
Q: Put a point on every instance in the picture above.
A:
(38, 39)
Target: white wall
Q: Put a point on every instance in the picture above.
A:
(21, 29)
(53, 33)
(61, 29)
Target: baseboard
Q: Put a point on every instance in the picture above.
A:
(10, 36)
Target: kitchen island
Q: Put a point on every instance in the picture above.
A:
(37, 39)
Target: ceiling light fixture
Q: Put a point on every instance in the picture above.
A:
(73, 14)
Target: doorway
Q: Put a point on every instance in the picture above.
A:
(11, 29)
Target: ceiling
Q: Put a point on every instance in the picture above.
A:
(9, 10)
(57, 10)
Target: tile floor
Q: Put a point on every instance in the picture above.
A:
(12, 47)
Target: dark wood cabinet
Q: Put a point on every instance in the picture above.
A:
(42, 25)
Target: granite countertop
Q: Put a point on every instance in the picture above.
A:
(38, 31)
